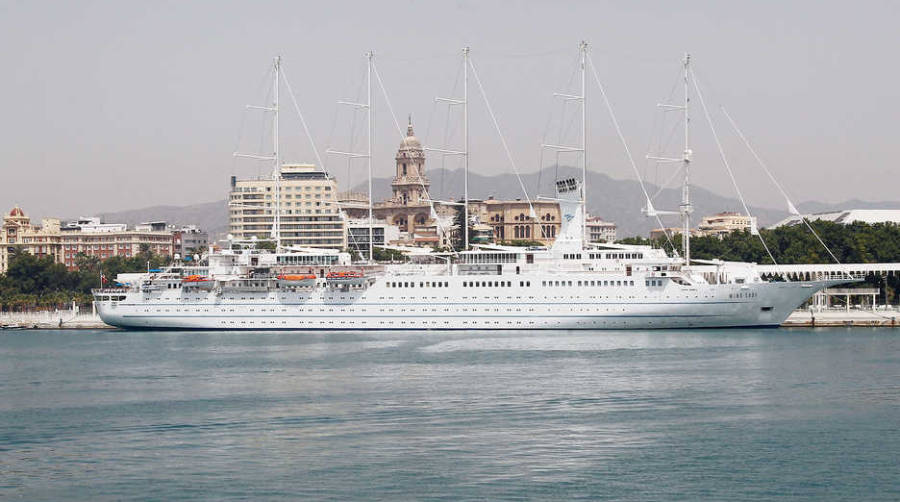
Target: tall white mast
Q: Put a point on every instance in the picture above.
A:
(370, 108)
(559, 148)
(276, 173)
(685, 207)
(584, 237)
(465, 150)
(465, 104)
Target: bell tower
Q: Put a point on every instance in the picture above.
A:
(410, 183)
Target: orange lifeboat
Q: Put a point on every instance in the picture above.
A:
(350, 277)
(303, 280)
(198, 281)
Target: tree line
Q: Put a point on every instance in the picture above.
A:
(39, 283)
(853, 243)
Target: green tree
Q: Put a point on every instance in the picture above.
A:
(266, 244)
(390, 255)
(522, 243)
(460, 224)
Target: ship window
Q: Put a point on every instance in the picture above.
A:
(528, 283)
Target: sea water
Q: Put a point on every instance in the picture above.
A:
(786, 414)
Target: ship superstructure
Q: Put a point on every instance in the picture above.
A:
(492, 287)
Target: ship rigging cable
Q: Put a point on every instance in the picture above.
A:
(634, 168)
(303, 121)
(712, 128)
(509, 156)
(791, 207)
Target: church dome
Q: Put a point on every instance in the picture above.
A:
(17, 212)
(410, 142)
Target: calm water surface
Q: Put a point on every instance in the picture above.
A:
(702, 415)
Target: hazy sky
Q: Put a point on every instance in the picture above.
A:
(115, 105)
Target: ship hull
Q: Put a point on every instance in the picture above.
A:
(381, 308)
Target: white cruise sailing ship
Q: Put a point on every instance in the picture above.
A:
(568, 285)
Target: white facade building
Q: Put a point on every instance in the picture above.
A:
(599, 231)
(310, 216)
(724, 223)
(847, 217)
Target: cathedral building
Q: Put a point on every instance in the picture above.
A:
(410, 211)
(408, 208)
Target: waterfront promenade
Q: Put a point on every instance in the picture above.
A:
(886, 316)
(52, 319)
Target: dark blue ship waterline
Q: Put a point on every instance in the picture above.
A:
(662, 415)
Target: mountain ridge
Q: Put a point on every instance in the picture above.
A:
(617, 200)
